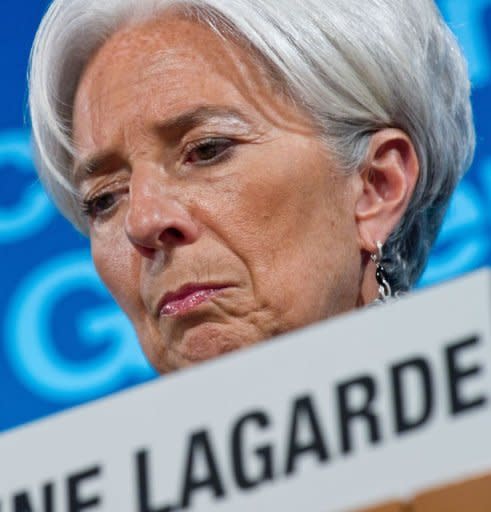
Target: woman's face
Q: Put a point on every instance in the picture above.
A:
(217, 216)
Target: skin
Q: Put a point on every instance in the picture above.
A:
(260, 206)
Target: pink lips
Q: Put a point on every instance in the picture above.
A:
(187, 298)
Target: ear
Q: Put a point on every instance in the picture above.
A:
(388, 179)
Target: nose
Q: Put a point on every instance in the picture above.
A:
(156, 219)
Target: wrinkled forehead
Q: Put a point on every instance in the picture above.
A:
(136, 53)
(163, 66)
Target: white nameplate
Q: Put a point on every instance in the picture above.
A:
(374, 405)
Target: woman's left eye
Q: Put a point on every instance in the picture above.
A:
(208, 151)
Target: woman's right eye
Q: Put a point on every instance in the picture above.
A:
(99, 205)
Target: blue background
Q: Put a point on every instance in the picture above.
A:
(62, 339)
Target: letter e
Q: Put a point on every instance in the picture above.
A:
(457, 374)
(75, 502)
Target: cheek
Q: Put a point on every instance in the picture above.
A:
(117, 264)
(252, 208)
(273, 211)
(294, 228)
(277, 215)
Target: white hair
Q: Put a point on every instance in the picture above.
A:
(357, 66)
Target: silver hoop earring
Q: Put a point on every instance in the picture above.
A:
(384, 288)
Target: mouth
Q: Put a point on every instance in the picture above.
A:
(187, 298)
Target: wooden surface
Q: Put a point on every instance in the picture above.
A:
(469, 496)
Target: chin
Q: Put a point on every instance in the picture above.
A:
(207, 341)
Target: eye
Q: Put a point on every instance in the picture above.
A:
(208, 150)
(99, 205)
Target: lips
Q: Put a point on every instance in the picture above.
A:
(187, 298)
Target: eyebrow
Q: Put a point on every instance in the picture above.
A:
(176, 126)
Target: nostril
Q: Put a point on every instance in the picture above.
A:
(175, 234)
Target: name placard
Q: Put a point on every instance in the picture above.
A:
(367, 407)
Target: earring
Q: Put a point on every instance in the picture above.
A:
(384, 288)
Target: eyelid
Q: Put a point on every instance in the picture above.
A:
(208, 140)
(228, 142)
(104, 186)
(117, 188)
(88, 206)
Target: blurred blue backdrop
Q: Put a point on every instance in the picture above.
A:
(62, 339)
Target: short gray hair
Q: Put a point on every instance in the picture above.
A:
(357, 66)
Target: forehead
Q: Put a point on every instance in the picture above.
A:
(169, 59)
(165, 40)
(146, 74)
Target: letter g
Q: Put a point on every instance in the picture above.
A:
(34, 352)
